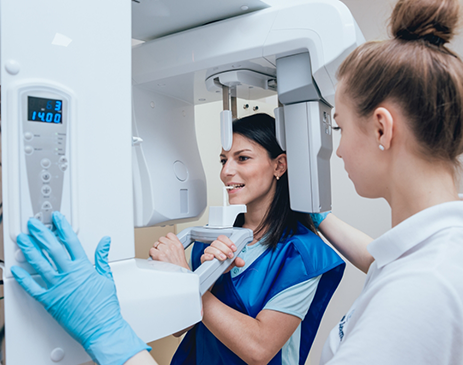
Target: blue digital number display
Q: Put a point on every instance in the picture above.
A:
(44, 110)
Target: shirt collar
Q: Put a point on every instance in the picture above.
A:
(414, 230)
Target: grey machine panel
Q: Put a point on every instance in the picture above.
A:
(307, 134)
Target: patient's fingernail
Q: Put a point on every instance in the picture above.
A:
(222, 256)
(233, 247)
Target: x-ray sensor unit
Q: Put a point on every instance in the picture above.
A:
(293, 51)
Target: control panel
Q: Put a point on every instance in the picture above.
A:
(44, 154)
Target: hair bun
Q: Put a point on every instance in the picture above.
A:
(433, 21)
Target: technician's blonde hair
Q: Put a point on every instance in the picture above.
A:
(418, 72)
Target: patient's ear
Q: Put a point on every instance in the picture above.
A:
(281, 164)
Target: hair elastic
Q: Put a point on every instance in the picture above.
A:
(430, 38)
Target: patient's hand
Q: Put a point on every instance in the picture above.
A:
(169, 249)
(221, 249)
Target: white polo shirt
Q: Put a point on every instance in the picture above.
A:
(411, 308)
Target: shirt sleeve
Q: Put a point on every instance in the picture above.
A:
(295, 300)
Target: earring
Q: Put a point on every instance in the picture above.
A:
(381, 147)
(277, 177)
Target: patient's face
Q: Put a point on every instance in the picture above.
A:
(248, 168)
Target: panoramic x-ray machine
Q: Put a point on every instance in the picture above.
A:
(106, 134)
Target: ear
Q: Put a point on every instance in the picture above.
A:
(383, 127)
(281, 165)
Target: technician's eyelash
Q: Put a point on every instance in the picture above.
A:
(337, 128)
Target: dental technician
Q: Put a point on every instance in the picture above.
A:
(399, 107)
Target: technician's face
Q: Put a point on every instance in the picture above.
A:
(248, 168)
(356, 148)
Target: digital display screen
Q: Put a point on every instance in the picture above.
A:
(44, 110)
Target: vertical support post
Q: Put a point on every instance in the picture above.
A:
(226, 97)
(234, 107)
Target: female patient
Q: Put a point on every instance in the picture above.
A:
(267, 311)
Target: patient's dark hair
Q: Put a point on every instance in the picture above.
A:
(279, 221)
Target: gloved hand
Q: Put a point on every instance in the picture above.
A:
(317, 218)
(80, 297)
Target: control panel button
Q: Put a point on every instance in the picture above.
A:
(63, 167)
(63, 160)
(46, 206)
(29, 150)
(46, 176)
(46, 190)
(39, 216)
(57, 354)
(19, 256)
(46, 163)
(28, 136)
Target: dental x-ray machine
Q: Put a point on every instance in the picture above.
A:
(106, 134)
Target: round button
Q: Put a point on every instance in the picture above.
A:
(63, 166)
(28, 150)
(46, 163)
(180, 170)
(12, 67)
(39, 216)
(28, 136)
(57, 354)
(63, 159)
(46, 190)
(19, 256)
(46, 176)
(46, 206)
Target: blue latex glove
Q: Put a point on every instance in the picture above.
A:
(317, 218)
(80, 297)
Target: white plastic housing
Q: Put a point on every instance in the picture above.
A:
(157, 299)
(47, 47)
(308, 139)
(179, 64)
(168, 177)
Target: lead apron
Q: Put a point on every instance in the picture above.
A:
(296, 259)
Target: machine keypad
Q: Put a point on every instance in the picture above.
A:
(46, 163)
(29, 150)
(46, 176)
(46, 190)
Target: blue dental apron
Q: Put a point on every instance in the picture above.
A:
(295, 259)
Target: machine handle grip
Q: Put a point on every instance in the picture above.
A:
(210, 271)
